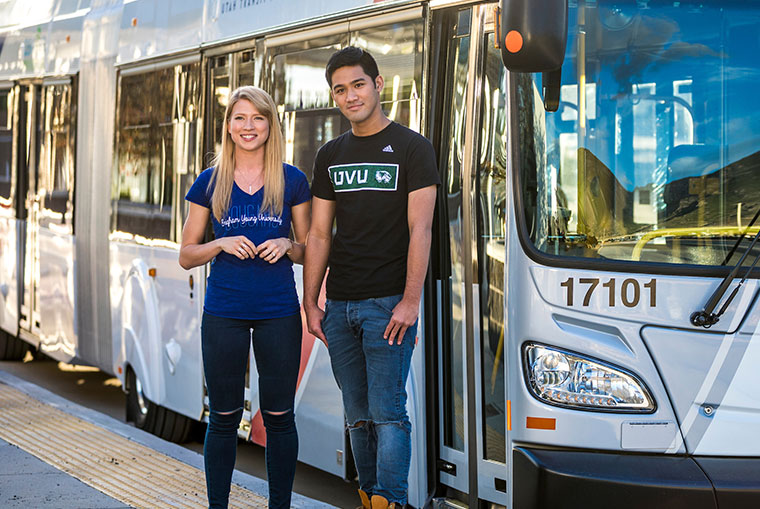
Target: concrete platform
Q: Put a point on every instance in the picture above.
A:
(55, 453)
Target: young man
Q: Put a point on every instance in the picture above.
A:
(378, 181)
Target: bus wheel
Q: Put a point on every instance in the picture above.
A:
(11, 347)
(154, 418)
(172, 426)
(140, 409)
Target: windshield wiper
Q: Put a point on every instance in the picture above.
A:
(736, 244)
(706, 318)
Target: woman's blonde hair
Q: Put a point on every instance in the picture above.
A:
(223, 176)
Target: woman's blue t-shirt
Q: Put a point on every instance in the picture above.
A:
(251, 289)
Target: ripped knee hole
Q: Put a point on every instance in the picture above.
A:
(226, 413)
(277, 413)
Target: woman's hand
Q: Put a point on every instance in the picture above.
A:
(239, 246)
(274, 249)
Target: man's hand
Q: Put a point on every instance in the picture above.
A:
(314, 316)
(404, 316)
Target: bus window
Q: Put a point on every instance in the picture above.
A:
(653, 153)
(492, 192)
(452, 152)
(155, 109)
(297, 84)
(398, 50)
(6, 145)
(56, 177)
(219, 72)
(185, 159)
(246, 68)
(226, 73)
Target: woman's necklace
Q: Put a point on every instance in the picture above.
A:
(248, 182)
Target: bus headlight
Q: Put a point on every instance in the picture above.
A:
(571, 380)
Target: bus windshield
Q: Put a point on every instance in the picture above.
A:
(654, 152)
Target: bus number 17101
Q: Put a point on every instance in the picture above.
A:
(630, 291)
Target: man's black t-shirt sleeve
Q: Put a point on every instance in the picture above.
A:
(321, 187)
(421, 165)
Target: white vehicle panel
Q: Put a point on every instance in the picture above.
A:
(156, 324)
(644, 298)
(55, 290)
(150, 28)
(224, 19)
(736, 419)
(9, 242)
(541, 315)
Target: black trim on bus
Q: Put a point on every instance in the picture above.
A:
(440, 264)
(736, 481)
(552, 478)
(22, 168)
(596, 264)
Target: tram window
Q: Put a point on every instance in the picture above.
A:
(491, 209)
(227, 72)
(56, 176)
(186, 161)
(398, 51)
(6, 144)
(220, 93)
(653, 156)
(155, 109)
(297, 82)
(299, 76)
(246, 68)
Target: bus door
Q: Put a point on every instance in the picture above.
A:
(51, 218)
(293, 73)
(471, 255)
(9, 240)
(30, 143)
(46, 173)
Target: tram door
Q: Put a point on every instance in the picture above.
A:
(47, 307)
(473, 413)
(30, 142)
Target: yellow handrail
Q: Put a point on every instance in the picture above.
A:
(690, 232)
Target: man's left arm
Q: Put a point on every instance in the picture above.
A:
(420, 209)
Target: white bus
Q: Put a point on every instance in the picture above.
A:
(587, 217)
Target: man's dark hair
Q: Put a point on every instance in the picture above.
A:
(348, 57)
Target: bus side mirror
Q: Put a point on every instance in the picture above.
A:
(533, 34)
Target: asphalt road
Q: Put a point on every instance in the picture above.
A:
(99, 391)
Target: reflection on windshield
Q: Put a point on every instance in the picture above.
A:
(654, 153)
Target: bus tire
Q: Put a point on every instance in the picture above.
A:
(11, 347)
(172, 426)
(154, 418)
(140, 409)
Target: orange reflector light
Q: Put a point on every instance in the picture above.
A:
(68, 38)
(152, 272)
(134, 22)
(513, 41)
(120, 369)
(509, 415)
(541, 423)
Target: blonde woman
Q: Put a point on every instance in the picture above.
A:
(251, 198)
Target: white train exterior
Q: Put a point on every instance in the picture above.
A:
(556, 362)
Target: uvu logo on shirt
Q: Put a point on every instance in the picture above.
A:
(364, 177)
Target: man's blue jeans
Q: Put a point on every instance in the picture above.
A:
(372, 377)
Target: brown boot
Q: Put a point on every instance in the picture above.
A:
(380, 502)
(365, 500)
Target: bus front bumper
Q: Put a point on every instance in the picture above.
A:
(548, 478)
